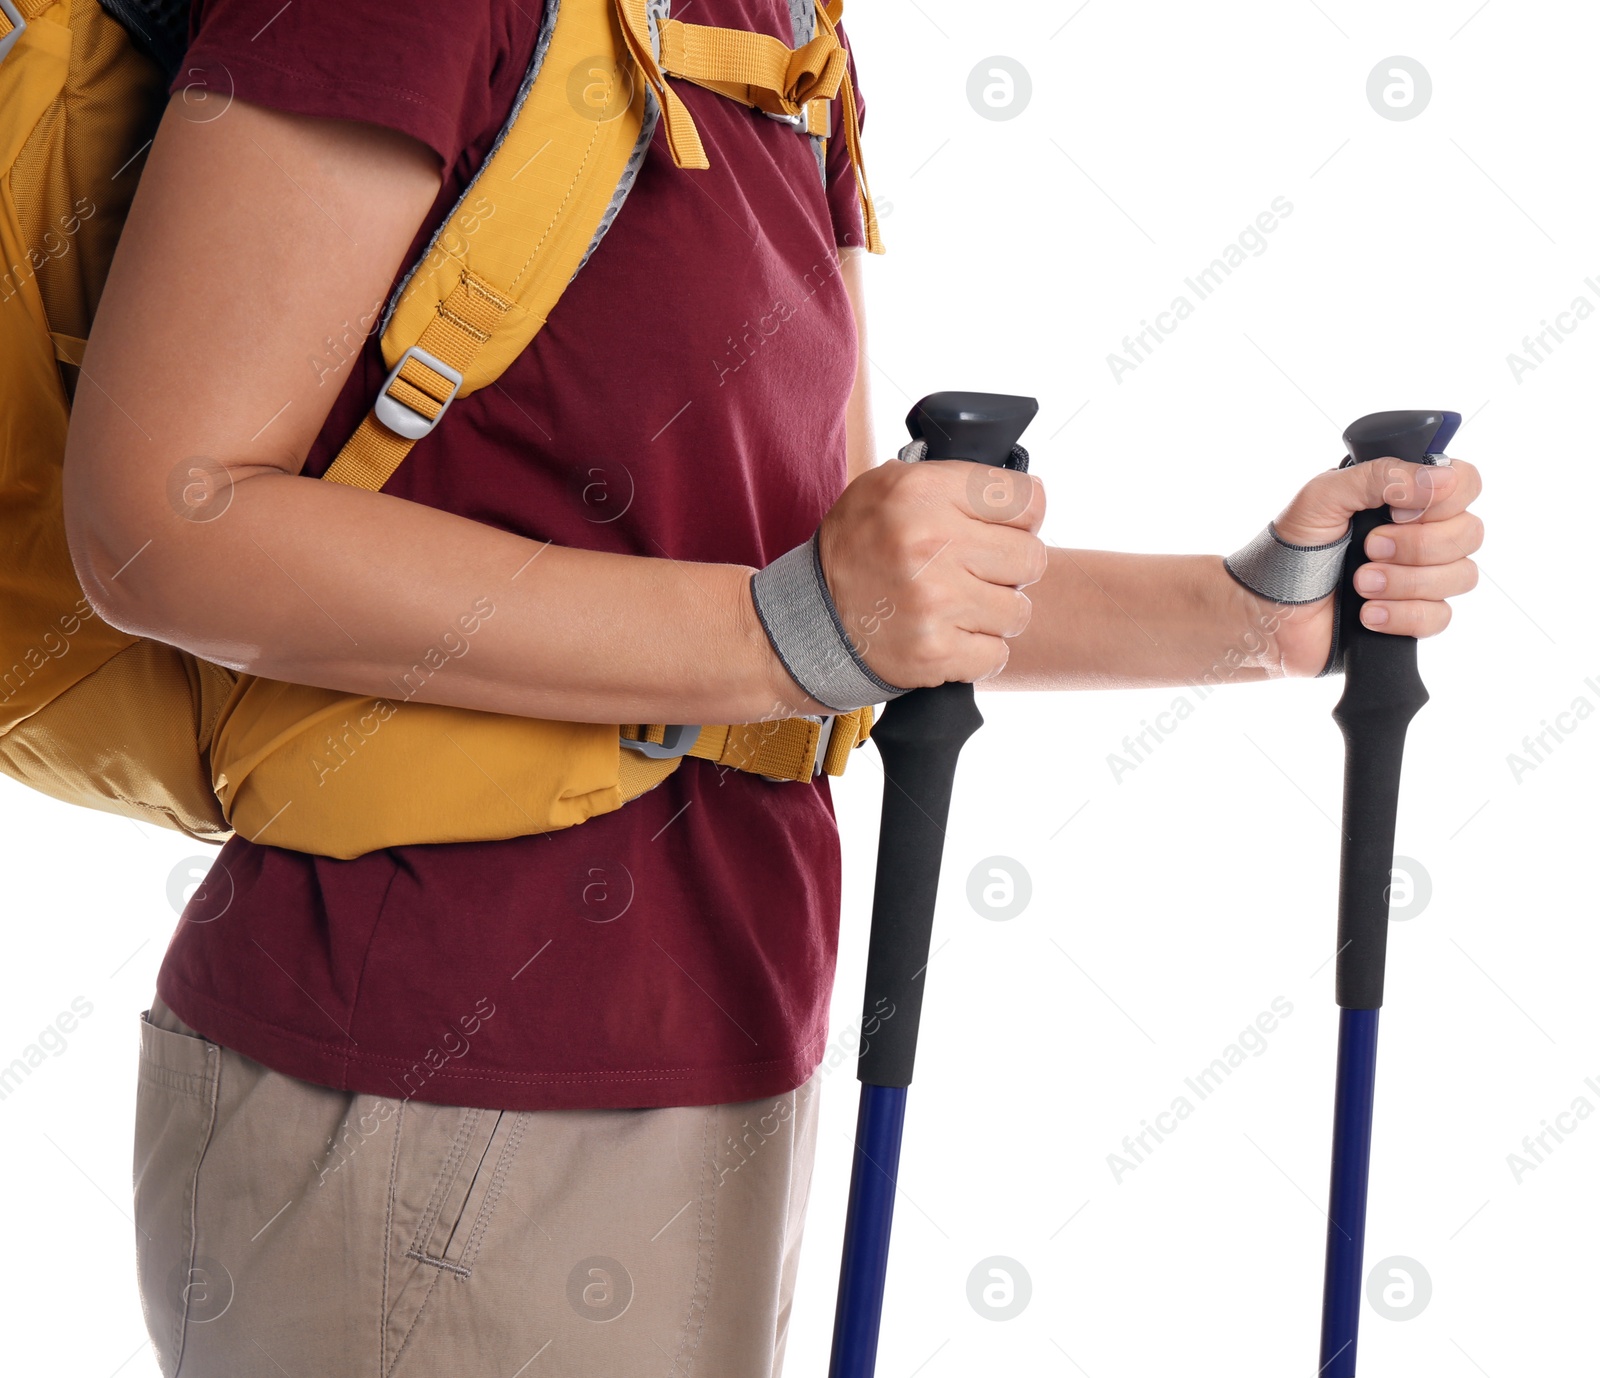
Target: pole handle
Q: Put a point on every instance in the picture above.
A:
(1382, 692)
(920, 739)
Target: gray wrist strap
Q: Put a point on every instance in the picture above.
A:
(797, 612)
(1272, 567)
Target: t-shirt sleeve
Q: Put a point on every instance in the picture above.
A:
(428, 70)
(844, 199)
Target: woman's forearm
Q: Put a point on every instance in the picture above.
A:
(1104, 620)
(318, 584)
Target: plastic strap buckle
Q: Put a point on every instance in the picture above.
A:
(400, 418)
(824, 736)
(677, 739)
(18, 24)
(800, 122)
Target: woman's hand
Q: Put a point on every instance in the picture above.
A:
(1415, 563)
(927, 562)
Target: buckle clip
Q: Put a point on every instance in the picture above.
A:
(18, 24)
(824, 736)
(677, 739)
(801, 121)
(404, 420)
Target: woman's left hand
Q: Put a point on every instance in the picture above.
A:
(1415, 563)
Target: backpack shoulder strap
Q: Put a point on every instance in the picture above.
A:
(795, 85)
(553, 182)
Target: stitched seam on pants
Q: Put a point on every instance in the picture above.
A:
(388, 1242)
(788, 1207)
(447, 1175)
(701, 1297)
(416, 1320)
(180, 1315)
(491, 1198)
(458, 1149)
(444, 1263)
(195, 1084)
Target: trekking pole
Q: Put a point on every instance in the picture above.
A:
(1382, 692)
(919, 738)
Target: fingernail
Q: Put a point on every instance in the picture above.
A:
(1374, 614)
(1431, 478)
(1380, 547)
(1370, 580)
(1404, 514)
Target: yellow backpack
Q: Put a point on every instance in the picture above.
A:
(93, 716)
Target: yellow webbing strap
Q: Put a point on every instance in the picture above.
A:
(683, 139)
(466, 321)
(28, 9)
(69, 348)
(828, 17)
(760, 71)
(754, 69)
(782, 749)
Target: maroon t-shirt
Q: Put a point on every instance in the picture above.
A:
(686, 400)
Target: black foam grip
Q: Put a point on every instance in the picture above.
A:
(920, 738)
(1382, 693)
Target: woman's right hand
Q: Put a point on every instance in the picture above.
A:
(926, 563)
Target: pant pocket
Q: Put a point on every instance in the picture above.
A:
(450, 1173)
(175, 1112)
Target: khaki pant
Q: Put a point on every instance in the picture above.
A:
(287, 1228)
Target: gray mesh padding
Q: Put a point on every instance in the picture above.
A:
(803, 27)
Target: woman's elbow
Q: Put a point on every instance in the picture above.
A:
(109, 536)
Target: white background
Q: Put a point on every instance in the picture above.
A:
(1174, 906)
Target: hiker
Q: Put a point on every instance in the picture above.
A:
(460, 1104)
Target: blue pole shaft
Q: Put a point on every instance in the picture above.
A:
(880, 1124)
(1347, 1191)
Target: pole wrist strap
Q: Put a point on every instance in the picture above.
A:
(799, 617)
(1271, 567)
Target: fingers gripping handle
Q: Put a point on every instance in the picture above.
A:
(1382, 693)
(920, 739)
